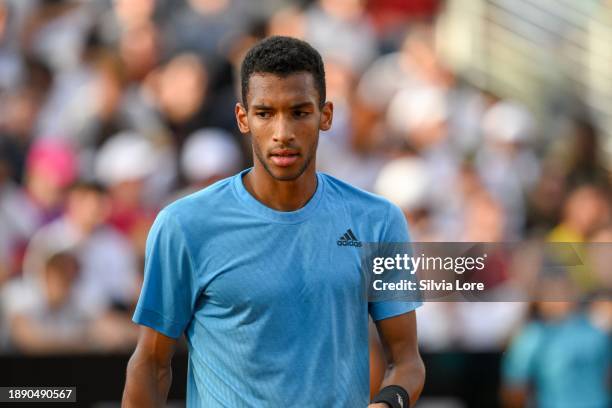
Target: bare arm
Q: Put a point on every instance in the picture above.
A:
(514, 397)
(407, 369)
(149, 371)
(378, 365)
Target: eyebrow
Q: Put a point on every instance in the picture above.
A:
(261, 107)
(296, 106)
(302, 105)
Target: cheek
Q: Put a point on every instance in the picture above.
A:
(257, 144)
(307, 128)
(258, 128)
(258, 134)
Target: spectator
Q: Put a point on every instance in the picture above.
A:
(209, 155)
(288, 21)
(586, 209)
(562, 355)
(584, 161)
(50, 167)
(108, 268)
(546, 200)
(405, 182)
(341, 29)
(140, 50)
(126, 165)
(207, 27)
(342, 154)
(506, 162)
(183, 99)
(44, 315)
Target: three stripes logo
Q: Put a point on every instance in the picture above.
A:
(349, 239)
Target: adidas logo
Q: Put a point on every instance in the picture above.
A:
(349, 239)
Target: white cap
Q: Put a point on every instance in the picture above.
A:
(210, 152)
(415, 107)
(404, 182)
(125, 156)
(508, 122)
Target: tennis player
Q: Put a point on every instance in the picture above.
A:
(261, 271)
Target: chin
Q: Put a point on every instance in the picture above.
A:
(285, 174)
(289, 175)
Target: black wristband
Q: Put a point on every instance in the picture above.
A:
(394, 396)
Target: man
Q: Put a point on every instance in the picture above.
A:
(108, 268)
(252, 268)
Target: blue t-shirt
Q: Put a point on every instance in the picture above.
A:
(567, 362)
(272, 303)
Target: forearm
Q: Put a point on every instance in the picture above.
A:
(410, 375)
(407, 368)
(514, 396)
(147, 382)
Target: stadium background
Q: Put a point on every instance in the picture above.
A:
(485, 120)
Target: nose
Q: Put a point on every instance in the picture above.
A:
(283, 132)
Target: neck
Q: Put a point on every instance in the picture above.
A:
(281, 195)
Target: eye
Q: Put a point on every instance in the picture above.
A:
(263, 114)
(301, 114)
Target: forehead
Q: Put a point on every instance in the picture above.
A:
(275, 90)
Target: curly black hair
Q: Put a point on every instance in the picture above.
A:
(283, 56)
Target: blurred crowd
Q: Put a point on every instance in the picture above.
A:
(109, 110)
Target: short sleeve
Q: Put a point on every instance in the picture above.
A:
(395, 231)
(396, 227)
(518, 361)
(170, 289)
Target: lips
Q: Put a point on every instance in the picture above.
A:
(284, 157)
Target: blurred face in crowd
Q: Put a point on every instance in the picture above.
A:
(555, 310)
(209, 6)
(182, 87)
(19, 112)
(44, 188)
(586, 209)
(557, 298)
(51, 165)
(339, 80)
(343, 9)
(87, 208)
(287, 21)
(138, 47)
(59, 277)
(484, 219)
(132, 12)
(550, 188)
(108, 85)
(419, 54)
(284, 118)
(127, 194)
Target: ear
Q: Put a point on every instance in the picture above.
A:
(242, 118)
(327, 113)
